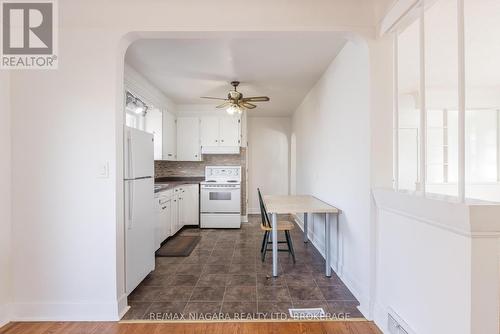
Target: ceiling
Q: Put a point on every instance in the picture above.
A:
(283, 66)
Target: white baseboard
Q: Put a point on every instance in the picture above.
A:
(105, 311)
(344, 275)
(122, 306)
(253, 211)
(380, 317)
(244, 218)
(5, 314)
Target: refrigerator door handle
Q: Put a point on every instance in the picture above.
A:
(130, 204)
(130, 157)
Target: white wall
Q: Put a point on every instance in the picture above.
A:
(268, 157)
(422, 275)
(332, 130)
(437, 264)
(5, 197)
(67, 124)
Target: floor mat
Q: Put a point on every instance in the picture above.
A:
(181, 245)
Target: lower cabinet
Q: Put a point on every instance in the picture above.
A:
(189, 204)
(176, 208)
(163, 217)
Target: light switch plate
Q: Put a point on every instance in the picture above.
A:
(103, 172)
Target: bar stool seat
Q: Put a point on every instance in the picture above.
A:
(283, 226)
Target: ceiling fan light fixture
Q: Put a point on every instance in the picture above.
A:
(234, 109)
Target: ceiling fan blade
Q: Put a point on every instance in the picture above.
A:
(225, 104)
(247, 105)
(213, 98)
(256, 99)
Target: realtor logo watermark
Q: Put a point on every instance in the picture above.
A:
(29, 34)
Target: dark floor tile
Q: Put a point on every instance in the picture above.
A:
(237, 310)
(297, 268)
(180, 279)
(245, 252)
(164, 310)
(244, 260)
(212, 294)
(240, 294)
(303, 292)
(224, 253)
(189, 269)
(349, 309)
(145, 293)
(322, 280)
(157, 279)
(216, 269)
(269, 280)
(212, 280)
(305, 279)
(273, 293)
(267, 268)
(274, 309)
(242, 280)
(225, 244)
(162, 261)
(166, 268)
(195, 309)
(219, 259)
(196, 259)
(337, 292)
(137, 311)
(174, 293)
(242, 268)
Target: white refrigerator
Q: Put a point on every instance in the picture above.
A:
(139, 206)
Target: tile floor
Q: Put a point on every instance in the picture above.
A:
(224, 275)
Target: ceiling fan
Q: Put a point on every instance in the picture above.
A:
(235, 102)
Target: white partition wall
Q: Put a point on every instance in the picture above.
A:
(437, 257)
(448, 77)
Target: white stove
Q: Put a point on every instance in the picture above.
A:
(221, 197)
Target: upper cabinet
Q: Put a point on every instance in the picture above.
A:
(220, 135)
(169, 136)
(153, 124)
(188, 139)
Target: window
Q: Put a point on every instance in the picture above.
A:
(408, 106)
(436, 152)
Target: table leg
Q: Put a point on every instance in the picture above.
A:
(275, 243)
(305, 227)
(328, 271)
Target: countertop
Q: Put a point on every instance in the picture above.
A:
(166, 183)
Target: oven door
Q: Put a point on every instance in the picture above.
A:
(220, 199)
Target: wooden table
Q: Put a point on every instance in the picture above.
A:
(293, 204)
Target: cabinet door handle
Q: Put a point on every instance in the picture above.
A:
(170, 154)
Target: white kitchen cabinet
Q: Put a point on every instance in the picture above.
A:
(163, 228)
(176, 208)
(153, 124)
(169, 142)
(229, 131)
(188, 139)
(220, 135)
(174, 222)
(189, 204)
(209, 131)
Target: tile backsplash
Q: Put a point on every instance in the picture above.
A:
(197, 168)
